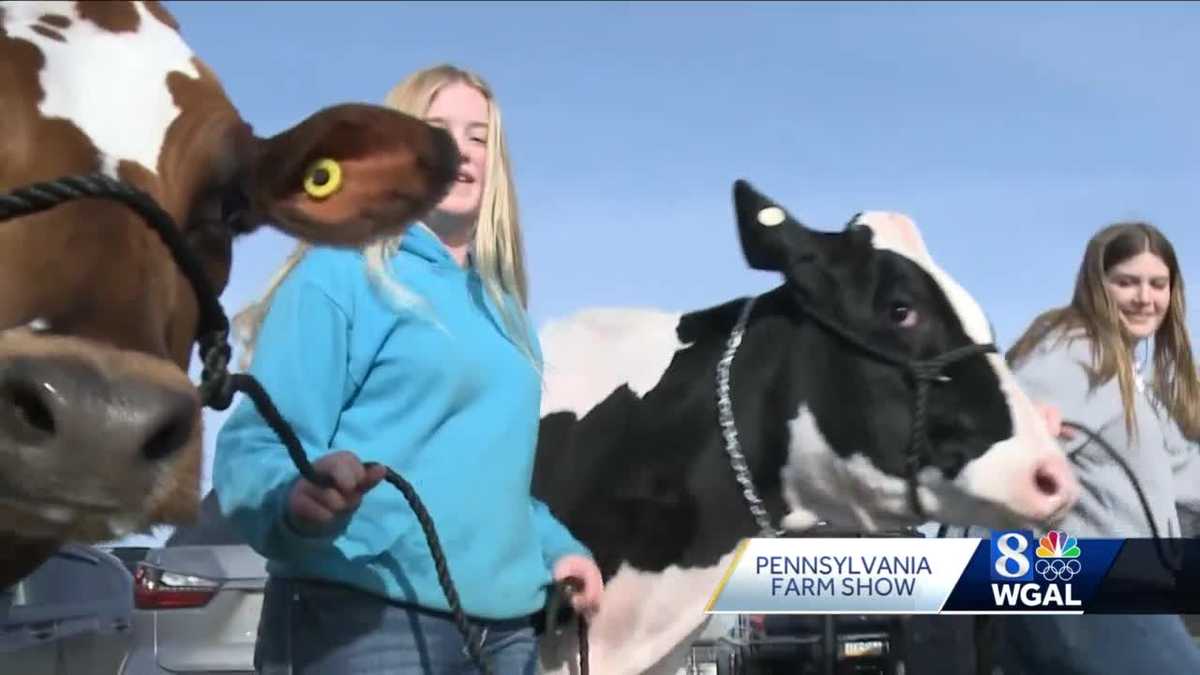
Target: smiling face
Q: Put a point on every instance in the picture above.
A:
(463, 111)
(1140, 289)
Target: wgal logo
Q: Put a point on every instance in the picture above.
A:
(1058, 556)
(1015, 560)
(1010, 555)
(1055, 559)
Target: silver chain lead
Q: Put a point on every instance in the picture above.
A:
(733, 447)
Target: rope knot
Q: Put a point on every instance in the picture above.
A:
(216, 384)
(927, 371)
(217, 392)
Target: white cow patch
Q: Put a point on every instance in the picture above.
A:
(818, 484)
(646, 623)
(113, 86)
(590, 354)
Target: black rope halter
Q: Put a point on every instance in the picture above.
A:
(217, 385)
(923, 374)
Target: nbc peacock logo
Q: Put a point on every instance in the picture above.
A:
(1057, 556)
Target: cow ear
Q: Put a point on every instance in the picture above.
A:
(771, 238)
(349, 174)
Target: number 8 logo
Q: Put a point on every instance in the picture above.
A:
(1015, 555)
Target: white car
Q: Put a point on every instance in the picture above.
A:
(197, 602)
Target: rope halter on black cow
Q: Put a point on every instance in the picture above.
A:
(217, 385)
(923, 373)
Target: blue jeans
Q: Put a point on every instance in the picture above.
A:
(1098, 644)
(312, 628)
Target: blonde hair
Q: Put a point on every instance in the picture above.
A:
(1093, 311)
(498, 252)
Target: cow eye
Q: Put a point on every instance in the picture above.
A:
(903, 315)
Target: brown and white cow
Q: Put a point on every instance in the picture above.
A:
(633, 459)
(99, 424)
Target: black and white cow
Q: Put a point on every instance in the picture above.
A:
(632, 458)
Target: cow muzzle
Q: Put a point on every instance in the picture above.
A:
(1051, 491)
(1030, 489)
(95, 442)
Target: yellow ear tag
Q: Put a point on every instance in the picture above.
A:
(323, 178)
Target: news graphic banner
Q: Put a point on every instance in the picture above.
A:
(1011, 572)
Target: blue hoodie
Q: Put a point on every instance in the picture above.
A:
(451, 404)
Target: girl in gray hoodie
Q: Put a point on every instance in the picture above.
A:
(1117, 360)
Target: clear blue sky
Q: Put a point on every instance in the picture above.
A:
(1008, 132)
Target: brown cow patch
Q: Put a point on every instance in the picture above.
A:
(156, 10)
(116, 17)
(34, 148)
(49, 32)
(55, 20)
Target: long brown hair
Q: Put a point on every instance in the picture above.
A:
(1093, 311)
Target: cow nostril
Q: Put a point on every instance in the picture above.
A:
(162, 443)
(173, 433)
(1046, 482)
(30, 415)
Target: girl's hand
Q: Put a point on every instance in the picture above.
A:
(311, 509)
(581, 573)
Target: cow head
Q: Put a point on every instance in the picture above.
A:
(992, 461)
(99, 424)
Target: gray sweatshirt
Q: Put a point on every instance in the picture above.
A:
(1165, 463)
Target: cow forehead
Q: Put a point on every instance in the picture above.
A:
(111, 85)
(897, 233)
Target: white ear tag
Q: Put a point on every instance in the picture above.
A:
(771, 216)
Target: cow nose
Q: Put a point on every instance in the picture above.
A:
(1049, 489)
(1046, 480)
(58, 404)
